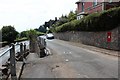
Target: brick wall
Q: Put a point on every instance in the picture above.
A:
(98, 39)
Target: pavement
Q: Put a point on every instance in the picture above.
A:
(18, 71)
(49, 67)
(40, 67)
(35, 67)
(18, 68)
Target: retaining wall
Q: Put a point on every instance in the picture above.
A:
(98, 39)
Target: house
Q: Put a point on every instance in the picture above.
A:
(85, 7)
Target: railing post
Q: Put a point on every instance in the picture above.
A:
(24, 48)
(24, 53)
(21, 50)
(12, 63)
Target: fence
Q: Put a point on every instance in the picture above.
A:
(11, 55)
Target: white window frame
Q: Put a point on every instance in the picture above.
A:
(110, 1)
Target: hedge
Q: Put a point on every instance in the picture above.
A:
(21, 39)
(102, 21)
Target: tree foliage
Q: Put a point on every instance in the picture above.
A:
(64, 19)
(31, 34)
(72, 16)
(52, 24)
(23, 34)
(42, 29)
(9, 34)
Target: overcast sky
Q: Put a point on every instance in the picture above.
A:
(30, 14)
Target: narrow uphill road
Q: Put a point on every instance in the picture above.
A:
(70, 61)
(84, 62)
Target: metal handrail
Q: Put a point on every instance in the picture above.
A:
(3, 53)
(13, 58)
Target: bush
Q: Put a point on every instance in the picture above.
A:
(103, 21)
(21, 39)
(39, 33)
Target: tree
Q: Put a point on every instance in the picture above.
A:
(46, 24)
(9, 34)
(63, 19)
(56, 19)
(23, 34)
(72, 16)
(42, 29)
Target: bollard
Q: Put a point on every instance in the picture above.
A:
(12, 63)
(21, 51)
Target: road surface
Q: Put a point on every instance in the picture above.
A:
(70, 61)
(88, 63)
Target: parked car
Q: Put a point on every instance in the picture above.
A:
(50, 36)
(43, 36)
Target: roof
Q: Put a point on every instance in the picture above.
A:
(78, 2)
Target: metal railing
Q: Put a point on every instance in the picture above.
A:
(10, 55)
(3, 53)
(6, 53)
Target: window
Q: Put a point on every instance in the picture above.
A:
(82, 7)
(110, 1)
(95, 2)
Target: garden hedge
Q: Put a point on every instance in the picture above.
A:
(102, 21)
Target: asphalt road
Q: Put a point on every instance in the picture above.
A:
(84, 62)
(69, 61)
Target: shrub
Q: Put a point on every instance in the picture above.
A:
(103, 21)
(21, 39)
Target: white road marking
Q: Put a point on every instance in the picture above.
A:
(83, 76)
(79, 74)
(66, 60)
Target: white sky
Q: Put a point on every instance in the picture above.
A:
(30, 14)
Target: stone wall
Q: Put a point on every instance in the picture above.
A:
(98, 39)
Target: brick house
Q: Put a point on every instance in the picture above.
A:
(85, 8)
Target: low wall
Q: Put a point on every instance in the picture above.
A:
(98, 39)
